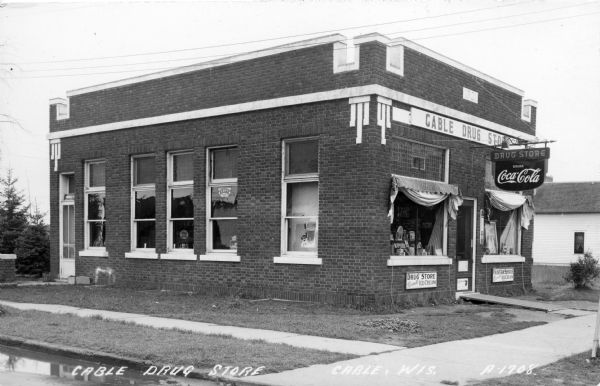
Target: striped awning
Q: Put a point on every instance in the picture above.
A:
(426, 186)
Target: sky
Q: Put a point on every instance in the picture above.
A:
(550, 49)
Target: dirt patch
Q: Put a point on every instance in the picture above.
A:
(393, 325)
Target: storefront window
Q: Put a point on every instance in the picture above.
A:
(301, 195)
(501, 232)
(222, 195)
(181, 202)
(144, 203)
(416, 230)
(95, 201)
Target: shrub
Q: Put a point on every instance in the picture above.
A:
(583, 271)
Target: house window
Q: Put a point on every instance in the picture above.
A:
(300, 196)
(180, 203)
(222, 202)
(579, 243)
(95, 204)
(417, 230)
(143, 195)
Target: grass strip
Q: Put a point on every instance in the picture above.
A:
(160, 346)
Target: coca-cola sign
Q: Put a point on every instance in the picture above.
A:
(519, 175)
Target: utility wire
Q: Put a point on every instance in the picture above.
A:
(278, 38)
(228, 62)
(301, 44)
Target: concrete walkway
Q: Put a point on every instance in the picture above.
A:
(461, 361)
(304, 341)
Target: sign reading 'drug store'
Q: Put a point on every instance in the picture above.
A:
(503, 274)
(445, 125)
(416, 280)
(521, 169)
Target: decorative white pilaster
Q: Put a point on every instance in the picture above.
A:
(55, 152)
(359, 114)
(384, 116)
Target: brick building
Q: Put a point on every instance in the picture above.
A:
(305, 171)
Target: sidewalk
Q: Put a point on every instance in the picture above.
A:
(457, 361)
(304, 341)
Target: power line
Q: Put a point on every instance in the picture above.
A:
(308, 44)
(228, 62)
(277, 38)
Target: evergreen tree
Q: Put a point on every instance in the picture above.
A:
(33, 247)
(13, 213)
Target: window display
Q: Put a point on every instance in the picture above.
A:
(416, 230)
(301, 195)
(144, 203)
(95, 192)
(222, 191)
(181, 202)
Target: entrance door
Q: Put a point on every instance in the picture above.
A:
(465, 246)
(67, 240)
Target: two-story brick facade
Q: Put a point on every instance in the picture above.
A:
(292, 172)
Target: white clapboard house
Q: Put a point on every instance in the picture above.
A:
(567, 222)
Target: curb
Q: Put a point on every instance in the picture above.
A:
(102, 356)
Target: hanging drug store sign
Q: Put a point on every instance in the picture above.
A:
(503, 274)
(416, 280)
(521, 169)
(445, 125)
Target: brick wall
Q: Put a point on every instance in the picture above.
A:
(306, 70)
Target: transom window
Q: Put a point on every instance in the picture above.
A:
(95, 204)
(222, 202)
(300, 196)
(143, 194)
(180, 205)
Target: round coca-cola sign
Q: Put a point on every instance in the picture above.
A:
(519, 175)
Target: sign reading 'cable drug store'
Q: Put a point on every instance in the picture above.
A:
(449, 126)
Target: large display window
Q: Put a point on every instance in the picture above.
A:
(416, 230)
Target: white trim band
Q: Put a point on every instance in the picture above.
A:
(488, 259)
(395, 261)
(304, 260)
(93, 253)
(296, 100)
(178, 256)
(141, 255)
(225, 257)
(8, 256)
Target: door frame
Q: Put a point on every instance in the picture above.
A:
(474, 221)
(62, 203)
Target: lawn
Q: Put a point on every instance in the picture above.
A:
(574, 370)
(158, 346)
(408, 327)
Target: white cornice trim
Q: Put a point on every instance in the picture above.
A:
(295, 100)
(451, 62)
(530, 102)
(213, 63)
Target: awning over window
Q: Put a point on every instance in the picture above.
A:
(425, 193)
(506, 201)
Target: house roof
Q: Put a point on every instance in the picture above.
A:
(568, 197)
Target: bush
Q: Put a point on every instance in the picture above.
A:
(583, 271)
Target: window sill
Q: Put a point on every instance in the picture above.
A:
(502, 259)
(178, 256)
(226, 257)
(418, 260)
(141, 255)
(93, 253)
(8, 256)
(306, 260)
